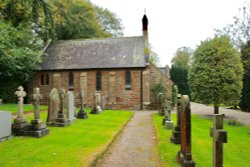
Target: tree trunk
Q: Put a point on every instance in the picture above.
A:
(216, 109)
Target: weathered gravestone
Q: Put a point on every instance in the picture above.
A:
(53, 106)
(97, 104)
(168, 124)
(61, 120)
(37, 127)
(70, 106)
(82, 114)
(184, 155)
(160, 104)
(20, 124)
(5, 125)
(176, 135)
(219, 137)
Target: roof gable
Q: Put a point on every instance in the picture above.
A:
(96, 53)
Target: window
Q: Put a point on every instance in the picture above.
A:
(44, 79)
(98, 81)
(128, 81)
(71, 81)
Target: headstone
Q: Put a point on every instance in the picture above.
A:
(53, 106)
(82, 114)
(70, 106)
(5, 125)
(167, 122)
(61, 120)
(184, 155)
(160, 104)
(1, 101)
(97, 104)
(20, 124)
(176, 135)
(219, 137)
(37, 127)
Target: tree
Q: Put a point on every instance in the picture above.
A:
(216, 73)
(109, 21)
(180, 68)
(19, 57)
(245, 98)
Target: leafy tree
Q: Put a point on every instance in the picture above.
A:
(245, 98)
(216, 73)
(109, 21)
(180, 68)
(19, 56)
(35, 12)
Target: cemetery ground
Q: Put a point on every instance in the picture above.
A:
(83, 141)
(72, 146)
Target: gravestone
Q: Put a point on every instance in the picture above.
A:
(37, 127)
(53, 106)
(97, 104)
(20, 124)
(184, 155)
(5, 125)
(82, 114)
(160, 104)
(219, 137)
(167, 122)
(70, 106)
(176, 134)
(1, 101)
(61, 120)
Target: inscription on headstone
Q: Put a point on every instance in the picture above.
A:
(219, 137)
(184, 155)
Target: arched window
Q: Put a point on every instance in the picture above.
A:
(71, 81)
(98, 81)
(44, 79)
(128, 81)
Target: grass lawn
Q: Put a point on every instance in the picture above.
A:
(72, 146)
(26, 108)
(236, 151)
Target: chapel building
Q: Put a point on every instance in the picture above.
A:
(117, 68)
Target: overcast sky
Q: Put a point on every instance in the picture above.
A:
(173, 23)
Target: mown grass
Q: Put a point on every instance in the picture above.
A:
(13, 108)
(236, 151)
(72, 146)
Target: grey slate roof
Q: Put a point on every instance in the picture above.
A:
(122, 52)
(163, 70)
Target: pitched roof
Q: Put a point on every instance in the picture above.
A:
(122, 52)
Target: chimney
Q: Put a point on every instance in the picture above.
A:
(145, 37)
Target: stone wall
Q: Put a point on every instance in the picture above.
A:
(113, 91)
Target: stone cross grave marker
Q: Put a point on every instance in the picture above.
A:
(70, 106)
(219, 137)
(36, 97)
(61, 120)
(97, 104)
(37, 127)
(20, 123)
(5, 125)
(184, 155)
(82, 114)
(176, 135)
(53, 106)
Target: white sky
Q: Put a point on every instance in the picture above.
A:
(173, 23)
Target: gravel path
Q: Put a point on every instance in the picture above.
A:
(135, 146)
(201, 109)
